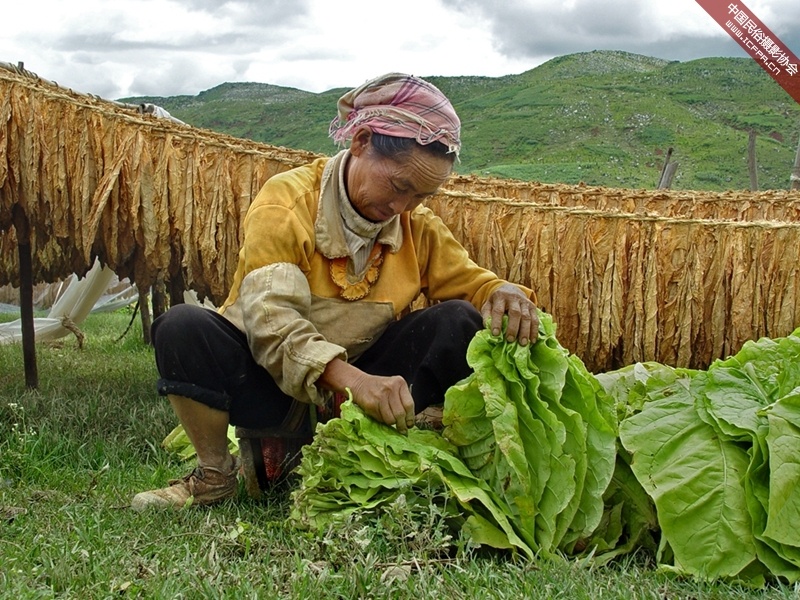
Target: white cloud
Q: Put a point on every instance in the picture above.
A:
(166, 47)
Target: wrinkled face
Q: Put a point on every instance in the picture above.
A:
(381, 187)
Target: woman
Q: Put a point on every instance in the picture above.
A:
(334, 254)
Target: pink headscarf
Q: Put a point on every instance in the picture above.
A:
(401, 106)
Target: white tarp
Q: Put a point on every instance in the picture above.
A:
(80, 297)
(86, 295)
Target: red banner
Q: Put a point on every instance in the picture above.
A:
(758, 41)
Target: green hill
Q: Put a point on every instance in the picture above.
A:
(604, 118)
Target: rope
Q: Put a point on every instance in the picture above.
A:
(610, 214)
(70, 325)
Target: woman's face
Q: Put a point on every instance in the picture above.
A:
(381, 187)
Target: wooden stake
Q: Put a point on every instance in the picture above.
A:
(176, 289)
(664, 169)
(144, 312)
(667, 172)
(26, 298)
(794, 178)
(159, 297)
(751, 160)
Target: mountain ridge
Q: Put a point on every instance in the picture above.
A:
(602, 118)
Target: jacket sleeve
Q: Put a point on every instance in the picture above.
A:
(274, 297)
(275, 306)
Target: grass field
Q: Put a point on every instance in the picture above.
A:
(74, 452)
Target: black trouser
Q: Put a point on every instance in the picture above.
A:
(202, 356)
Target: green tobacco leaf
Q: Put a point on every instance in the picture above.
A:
(355, 464)
(468, 424)
(630, 387)
(695, 481)
(553, 446)
(783, 441)
(629, 519)
(584, 395)
(734, 398)
(483, 531)
(574, 448)
(769, 360)
(512, 480)
(717, 450)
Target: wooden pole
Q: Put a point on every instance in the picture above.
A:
(751, 160)
(144, 313)
(667, 172)
(26, 297)
(176, 289)
(794, 178)
(664, 168)
(159, 296)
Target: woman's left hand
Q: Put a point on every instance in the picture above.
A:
(523, 322)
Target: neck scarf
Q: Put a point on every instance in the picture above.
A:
(401, 106)
(359, 233)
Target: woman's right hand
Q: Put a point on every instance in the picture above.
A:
(385, 399)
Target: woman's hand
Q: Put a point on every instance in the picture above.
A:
(523, 322)
(385, 399)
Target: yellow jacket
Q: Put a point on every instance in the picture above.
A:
(285, 296)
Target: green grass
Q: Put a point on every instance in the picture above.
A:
(74, 451)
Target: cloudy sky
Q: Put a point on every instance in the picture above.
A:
(116, 49)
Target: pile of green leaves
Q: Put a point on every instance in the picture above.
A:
(356, 464)
(703, 468)
(718, 451)
(539, 429)
(527, 452)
